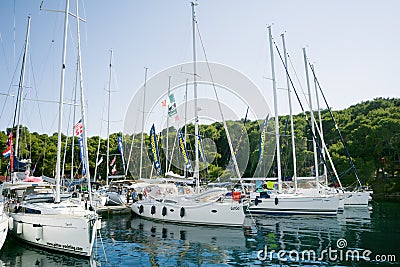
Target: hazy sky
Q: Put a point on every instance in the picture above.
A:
(353, 44)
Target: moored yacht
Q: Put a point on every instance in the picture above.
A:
(37, 219)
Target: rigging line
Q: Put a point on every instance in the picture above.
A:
(220, 109)
(115, 79)
(306, 117)
(5, 57)
(337, 128)
(37, 97)
(298, 79)
(14, 32)
(98, 145)
(9, 88)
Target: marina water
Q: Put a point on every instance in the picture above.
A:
(358, 237)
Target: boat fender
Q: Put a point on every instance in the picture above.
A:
(256, 201)
(39, 231)
(182, 212)
(141, 209)
(164, 211)
(10, 223)
(19, 228)
(153, 210)
(276, 201)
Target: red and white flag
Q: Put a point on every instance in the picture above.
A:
(78, 128)
(113, 161)
(114, 170)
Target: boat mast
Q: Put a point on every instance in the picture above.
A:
(21, 86)
(85, 149)
(141, 141)
(108, 117)
(196, 119)
(186, 87)
(278, 150)
(73, 132)
(166, 149)
(60, 104)
(320, 124)
(291, 116)
(312, 120)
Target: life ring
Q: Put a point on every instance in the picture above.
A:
(153, 210)
(141, 209)
(164, 211)
(187, 191)
(182, 212)
(276, 201)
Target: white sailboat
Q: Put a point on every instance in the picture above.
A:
(37, 214)
(359, 196)
(279, 202)
(210, 207)
(3, 224)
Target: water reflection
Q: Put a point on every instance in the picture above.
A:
(138, 242)
(18, 254)
(159, 244)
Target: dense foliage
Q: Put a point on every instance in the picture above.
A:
(371, 131)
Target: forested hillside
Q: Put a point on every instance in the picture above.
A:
(371, 130)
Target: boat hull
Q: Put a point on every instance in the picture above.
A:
(229, 213)
(58, 232)
(356, 199)
(294, 204)
(3, 229)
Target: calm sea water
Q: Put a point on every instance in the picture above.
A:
(358, 237)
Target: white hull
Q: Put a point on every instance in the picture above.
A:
(361, 198)
(3, 229)
(296, 204)
(59, 232)
(229, 213)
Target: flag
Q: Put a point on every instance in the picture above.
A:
(182, 149)
(164, 103)
(80, 141)
(154, 150)
(114, 170)
(7, 152)
(121, 151)
(100, 161)
(113, 160)
(263, 131)
(171, 105)
(176, 118)
(78, 127)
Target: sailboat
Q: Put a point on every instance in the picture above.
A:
(209, 207)
(276, 201)
(37, 214)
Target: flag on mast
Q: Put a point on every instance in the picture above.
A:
(78, 128)
(182, 149)
(113, 161)
(154, 150)
(8, 151)
(263, 131)
(171, 106)
(121, 151)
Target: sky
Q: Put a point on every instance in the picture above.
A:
(352, 44)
